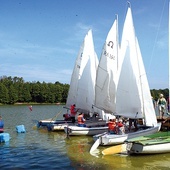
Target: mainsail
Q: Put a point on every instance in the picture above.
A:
(106, 78)
(86, 83)
(72, 94)
(133, 93)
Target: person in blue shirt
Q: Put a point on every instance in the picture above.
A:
(1, 125)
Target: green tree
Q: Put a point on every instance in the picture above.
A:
(4, 97)
(35, 92)
(26, 93)
(13, 97)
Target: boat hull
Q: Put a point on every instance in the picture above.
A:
(150, 144)
(44, 123)
(58, 127)
(113, 139)
(138, 148)
(90, 131)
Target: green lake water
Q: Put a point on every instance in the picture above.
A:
(40, 149)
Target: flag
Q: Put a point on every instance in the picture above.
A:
(30, 107)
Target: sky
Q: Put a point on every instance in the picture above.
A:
(40, 39)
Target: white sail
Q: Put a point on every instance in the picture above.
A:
(86, 84)
(72, 94)
(106, 78)
(133, 93)
(147, 103)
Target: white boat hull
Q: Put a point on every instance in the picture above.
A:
(113, 139)
(43, 123)
(138, 148)
(76, 130)
(58, 127)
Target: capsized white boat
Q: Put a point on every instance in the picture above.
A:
(133, 98)
(150, 144)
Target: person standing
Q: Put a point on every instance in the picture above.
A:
(161, 103)
(1, 125)
(73, 113)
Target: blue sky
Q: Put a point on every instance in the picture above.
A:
(40, 39)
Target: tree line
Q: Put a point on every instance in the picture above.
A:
(16, 90)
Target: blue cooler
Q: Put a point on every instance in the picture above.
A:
(20, 129)
(4, 137)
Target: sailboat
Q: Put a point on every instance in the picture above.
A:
(106, 82)
(52, 123)
(133, 99)
(151, 144)
(85, 95)
(81, 62)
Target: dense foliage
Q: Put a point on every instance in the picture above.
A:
(16, 90)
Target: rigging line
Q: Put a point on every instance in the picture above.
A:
(156, 36)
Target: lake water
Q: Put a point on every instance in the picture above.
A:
(40, 149)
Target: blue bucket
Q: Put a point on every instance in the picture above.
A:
(20, 129)
(4, 137)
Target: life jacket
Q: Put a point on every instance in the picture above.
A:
(72, 110)
(112, 125)
(120, 124)
(80, 119)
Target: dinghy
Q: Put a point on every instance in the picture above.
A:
(86, 94)
(81, 85)
(104, 79)
(151, 144)
(133, 98)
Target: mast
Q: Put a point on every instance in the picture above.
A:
(117, 38)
